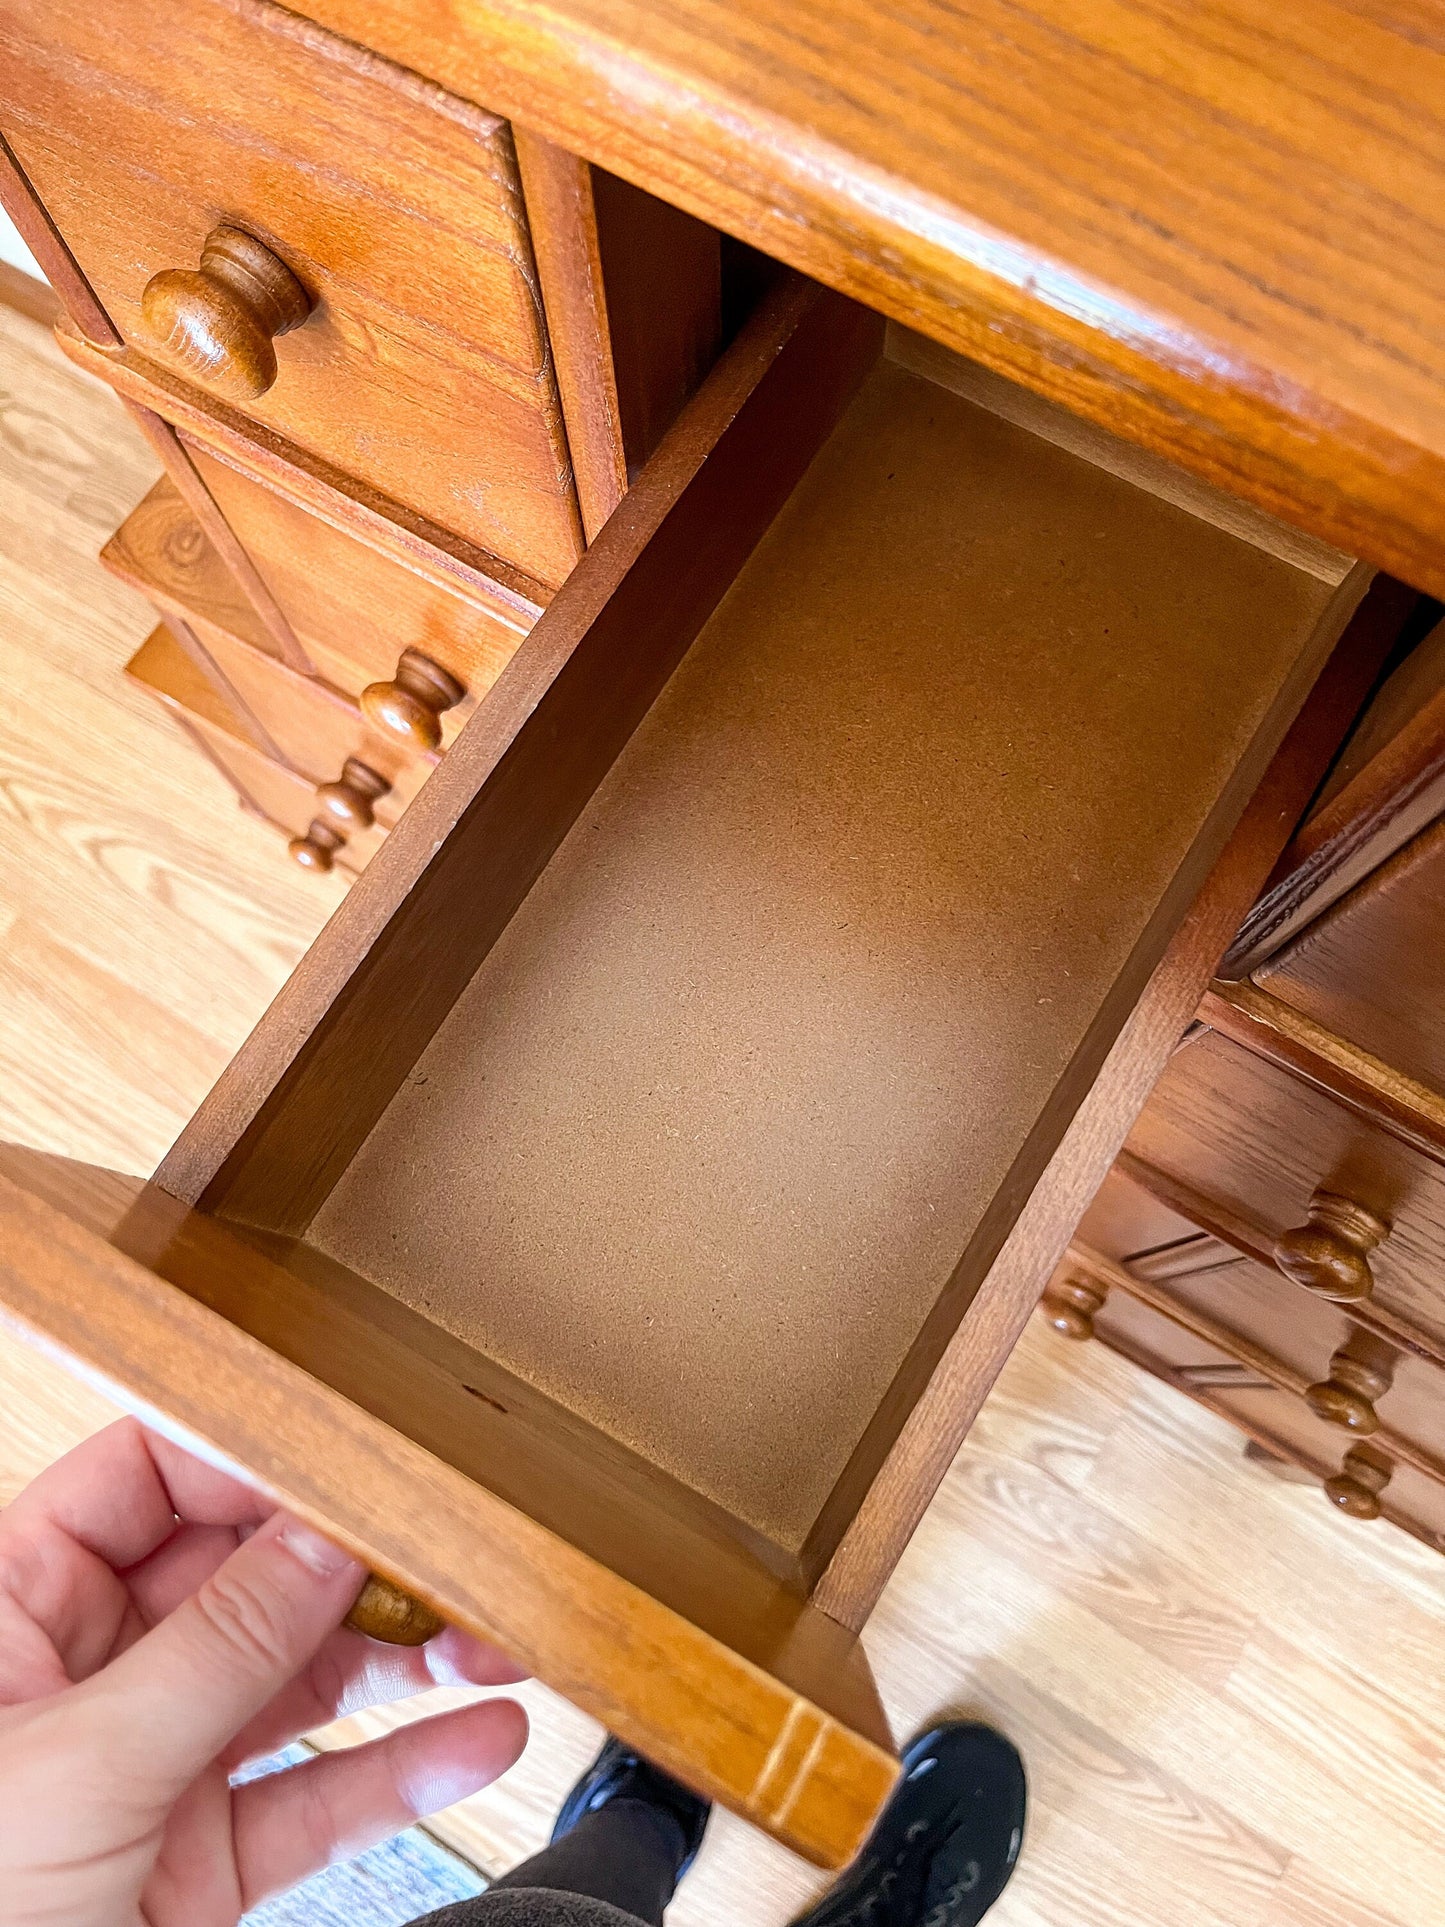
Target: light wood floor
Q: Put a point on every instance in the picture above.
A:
(1232, 1703)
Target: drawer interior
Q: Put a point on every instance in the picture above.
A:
(705, 1121)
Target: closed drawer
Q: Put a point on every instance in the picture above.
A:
(286, 798)
(356, 612)
(421, 365)
(1260, 1147)
(302, 721)
(1372, 968)
(608, 1217)
(1352, 1377)
(1364, 1477)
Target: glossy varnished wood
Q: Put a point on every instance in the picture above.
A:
(809, 1761)
(207, 709)
(1239, 1130)
(358, 609)
(1372, 969)
(884, 479)
(299, 720)
(1113, 1551)
(219, 322)
(1278, 1029)
(632, 289)
(1388, 790)
(612, 637)
(1193, 224)
(423, 368)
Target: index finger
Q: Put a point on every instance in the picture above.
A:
(121, 1492)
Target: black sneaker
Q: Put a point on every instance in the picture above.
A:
(945, 1844)
(620, 1774)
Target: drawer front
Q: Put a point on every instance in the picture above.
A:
(281, 795)
(288, 801)
(1253, 1140)
(355, 609)
(315, 727)
(1372, 969)
(422, 366)
(1362, 1476)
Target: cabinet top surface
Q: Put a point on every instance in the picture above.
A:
(1214, 225)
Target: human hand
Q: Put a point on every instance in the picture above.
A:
(161, 1624)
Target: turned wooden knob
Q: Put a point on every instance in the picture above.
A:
(219, 322)
(384, 1611)
(1362, 1370)
(411, 705)
(317, 849)
(1330, 1253)
(351, 797)
(1357, 1486)
(1069, 1305)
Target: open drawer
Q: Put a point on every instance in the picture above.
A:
(614, 1225)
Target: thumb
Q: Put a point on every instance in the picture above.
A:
(170, 1703)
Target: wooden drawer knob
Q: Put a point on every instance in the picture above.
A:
(1362, 1370)
(1069, 1305)
(317, 849)
(1357, 1486)
(1330, 1254)
(351, 798)
(411, 705)
(219, 322)
(384, 1611)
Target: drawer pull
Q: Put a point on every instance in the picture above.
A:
(351, 797)
(1330, 1254)
(411, 706)
(1357, 1486)
(1070, 1304)
(317, 849)
(219, 322)
(384, 1611)
(1361, 1371)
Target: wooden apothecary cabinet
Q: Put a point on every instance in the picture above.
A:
(849, 789)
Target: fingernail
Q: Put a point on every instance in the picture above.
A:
(321, 1555)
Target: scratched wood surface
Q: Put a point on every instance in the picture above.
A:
(1230, 1701)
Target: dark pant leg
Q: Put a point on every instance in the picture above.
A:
(627, 1853)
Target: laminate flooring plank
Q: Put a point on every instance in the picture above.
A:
(145, 920)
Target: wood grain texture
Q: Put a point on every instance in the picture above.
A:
(270, 787)
(219, 538)
(342, 501)
(585, 675)
(660, 976)
(28, 295)
(808, 1760)
(939, 1419)
(1358, 827)
(1252, 1136)
(633, 292)
(1246, 1313)
(424, 367)
(1191, 224)
(306, 723)
(1373, 1089)
(357, 609)
(1087, 1526)
(1370, 969)
(562, 215)
(144, 921)
(40, 235)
